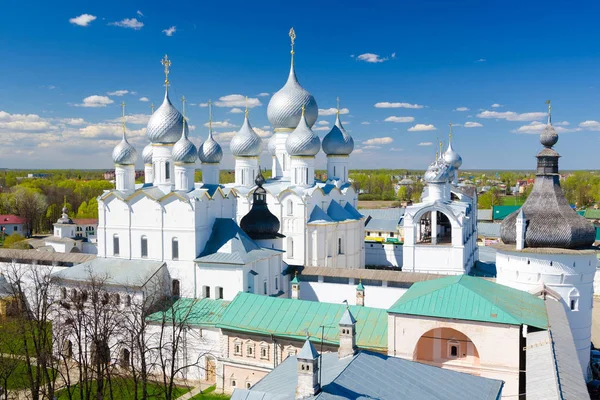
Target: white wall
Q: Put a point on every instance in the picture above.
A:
(375, 296)
(383, 254)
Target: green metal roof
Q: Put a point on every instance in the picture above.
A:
(592, 214)
(471, 298)
(597, 233)
(581, 212)
(204, 312)
(291, 318)
(501, 212)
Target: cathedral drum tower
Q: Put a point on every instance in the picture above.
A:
(547, 247)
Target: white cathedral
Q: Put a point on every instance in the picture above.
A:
(217, 240)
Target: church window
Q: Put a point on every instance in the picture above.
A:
(233, 383)
(124, 359)
(368, 233)
(391, 234)
(340, 249)
(206, 292)
(574, 299)
(218, 292)
(167, 170)
(276, 282)
(265, 287)
(128, 300)
(454, 351)
(237, 348)
(115, 244)
(306, 176)
(290, 208)
(176, 288)
(144, 247)
(334, 171)
(116, 299)
(248, 385)
(175, 249)
(264, 352)
(290, 248)
(250, 350)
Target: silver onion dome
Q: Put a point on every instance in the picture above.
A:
(124, 153)
(210, 151)
(302, 141)
(246, 143)
(285, 107)
(165, 124)
(437, 172)
(549, 137)
(184, 151)
(451, 157)
(147, 154)
(337, 142)
(272, 146)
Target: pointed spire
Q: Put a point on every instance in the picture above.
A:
(549, 112)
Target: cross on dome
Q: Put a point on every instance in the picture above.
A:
(166, 63)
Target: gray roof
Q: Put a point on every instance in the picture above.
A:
(488, 229)
(113, 271)
(347, 318)
(370, 375)
(44, 256)
(394, 214)
(381, 225)
(374, 274)
(553, 369)
(308, 351)
(229, 244)
(484, 215)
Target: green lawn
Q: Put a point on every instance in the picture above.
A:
(512, 200)
(210, 395)
(11, 337)
(123, 389)
(18, 377)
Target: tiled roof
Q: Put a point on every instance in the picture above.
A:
(474, 299)
(488, 229)
(11, 219)
(318, 215)
(291, 318)
(375, 376)
(85, 221)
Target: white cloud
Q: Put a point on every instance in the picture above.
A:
(131, 23)
(323, 123)
(399, 119)
(511, 116)
(170, 31)
(386, 104)
(365, 123)
(376, 141)
(332, 111)
(562, 123)
(83, 19)
(358, 151)
(394, 55)
(144, 99)
(321, 128)
(224, 137)
(203, 105)
(371, 58)
(135, 119)
(73, 121)
(118, 93)
(481, 60)
(23, 122)
(236, 110)
(472, 125)
(496, 105)
(396, 149)
(590, 125)
(262, 132)
(96, 101)
(536, 127)
(371, 147)
(263, 94)
(235, 100)
(422, 127)
(461, 109)
(221, 124)
(140, 13)
(425, 144)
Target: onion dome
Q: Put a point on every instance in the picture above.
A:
(260, 223)
(272, 146)
(302, 141)
(184, 151)
(437, 172)
(124, 153)
(550, 220)
(285, 107)
(166, 123)
(246, 143)
(64, 218)
(337, 142)
(147, 154)
(210, 151)
(451, 157)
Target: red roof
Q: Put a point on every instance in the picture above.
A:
(12, 219)
(85, 221)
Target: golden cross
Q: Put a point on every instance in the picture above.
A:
(293, 38)
(166, 63)
(549, 111)
(441, 145)
(303, 109)
(246, 106)
(209, 117)
(338, 105)
(450, 135)
(183, 103)
(123, 117)
(152, 107)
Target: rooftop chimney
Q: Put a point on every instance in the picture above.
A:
(308, 371)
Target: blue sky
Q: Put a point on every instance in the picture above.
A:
(426, 60)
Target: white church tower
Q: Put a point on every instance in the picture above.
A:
(546, 244)
(246, 147)
(338, 145)
(124, 156)
(210, 154)
(302, 145)
(184, 158)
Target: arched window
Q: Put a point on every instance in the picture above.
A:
(175, 248)
(116, 244)
(176, 289)
(128, 300)
(144, 246)
(290, 247)
(333, 172)
(167, 170)
(63, 293)
(574, 299)
(340, 249)
(124, 359)
(290, 207)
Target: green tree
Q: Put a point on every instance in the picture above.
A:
(403, 193)
(15, 241)
(488, 199)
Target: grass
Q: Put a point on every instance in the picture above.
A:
(208, 394)
(123, 389)
(11, 337)
(375, 203)
(18, 378)
(512, 200)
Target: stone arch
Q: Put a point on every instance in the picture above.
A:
(444, 345)
(446, 222)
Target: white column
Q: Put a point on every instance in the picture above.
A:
(303, 171)
(434, 227)
(164, 169)
(246, 169)
(337, 167)
(148, 173)
(125, 177)
(210, 173)
(281, 164)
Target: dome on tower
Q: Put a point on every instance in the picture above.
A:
(272, 146)
(246, 143)
(548, 137)
(184, 151)
(285, 107)
(451, 157)
(210, 151)
(147, 154)
(337, 142)
(64, 218)
(437, 172)
(165, 124)
(124, 153)
(302, 141)
(260, 223)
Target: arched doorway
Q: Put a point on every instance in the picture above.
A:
(446, 347)
(434, 227)
(211, 370)
(125, 358)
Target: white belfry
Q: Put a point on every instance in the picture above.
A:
(124, 156)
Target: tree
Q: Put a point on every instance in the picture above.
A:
(403, 193)
(30, 204)
(13, 241)
(488, 199)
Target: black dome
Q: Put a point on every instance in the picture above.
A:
(260, 223)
